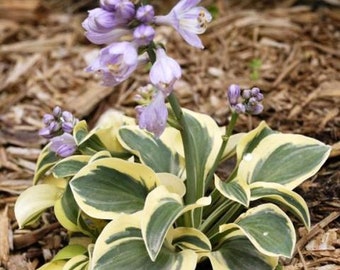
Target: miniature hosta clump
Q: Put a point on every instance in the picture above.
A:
(145, 194)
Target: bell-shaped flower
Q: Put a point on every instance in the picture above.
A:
(164, 72)
(188, 19)
(116, 62)
(104, 27)
(153, 117)
(63, 145)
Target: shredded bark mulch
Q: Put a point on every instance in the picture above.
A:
(290, 49)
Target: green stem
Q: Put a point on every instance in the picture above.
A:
(231, 210)
(215, 216)
(190, 162)
(225, 139)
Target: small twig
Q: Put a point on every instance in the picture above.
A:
(21, 241)
(305, 267)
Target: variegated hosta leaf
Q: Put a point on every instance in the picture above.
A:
(153, 152)
(251, 139)
(67, 211)
(79, 262)
(279, 194)
(190, 238)
(99, 155)
(173, 183)
(207, 139)
(268, 228)
(90, 142)
(161, 210)
(235, 190)
(35, 200)
(110, 186)
(45, 161)
(54, 265)
(121, 246)
(80, 131)
(70, 166)
(236, 252)
(233, 142)
(69, 252)
(286, 159)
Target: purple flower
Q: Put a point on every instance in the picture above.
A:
(48, 118)
(56, 112)
(63, 145)
(143, 34)
(255, 108)
(116, 62)
(164, 72)
(154, 116)
(188, 19)
(145, 14)
(125, 9)
(57, 123)
(250, 101)
(109, 5)
(104, 27)
(233, 94)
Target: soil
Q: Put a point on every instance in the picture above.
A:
(289, 49)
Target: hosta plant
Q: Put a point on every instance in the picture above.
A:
(145, 194)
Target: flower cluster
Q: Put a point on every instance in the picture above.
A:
(246, 101)
(58, 128)
(128, 31)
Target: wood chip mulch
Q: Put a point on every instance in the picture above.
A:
(290, 49)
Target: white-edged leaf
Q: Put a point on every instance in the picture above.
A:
(69, 166)
(286, 159)
(236, 252)
(190, 238)
(109, 186)
(79, 262)
(45, 161)
(235, 190)
(121, 246)
(268, 228)
(281, 195)
(172, 183)
(153, 152)
(251, 139)
(161, 210)
(34, 200)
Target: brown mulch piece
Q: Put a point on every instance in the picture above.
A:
(290, 51)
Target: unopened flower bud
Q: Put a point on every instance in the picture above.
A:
(255, 109)
(143, 34)
(57, 112)
(254, 91)
(54, 126)
(246, 94)
(252, 101)
(67, 127)
(46, 133)
(233, 94)
(259, 97)
(67, 116)
(239, 108)
(48, 118)
(145, 14)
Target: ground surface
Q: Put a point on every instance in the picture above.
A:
(291, 51)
